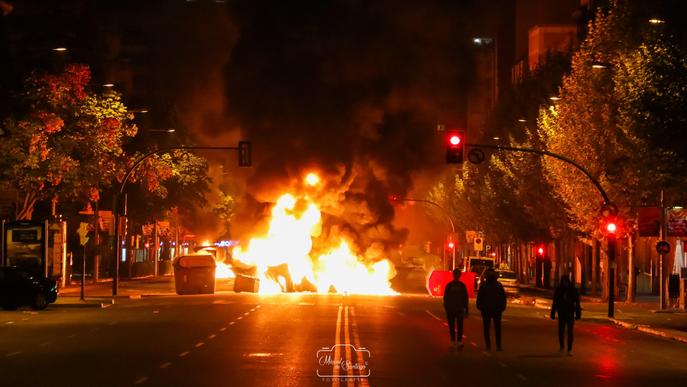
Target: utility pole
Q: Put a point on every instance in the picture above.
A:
(662, 236)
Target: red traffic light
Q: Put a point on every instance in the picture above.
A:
(454, 146)
(540, 250)
(611, 227)
(451, 245)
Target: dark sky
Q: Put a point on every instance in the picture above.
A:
(352, 88)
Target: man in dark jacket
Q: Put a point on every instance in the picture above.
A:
(456, 305)
(566, 301)
(491, 302)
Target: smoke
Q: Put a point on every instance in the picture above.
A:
(351, 89)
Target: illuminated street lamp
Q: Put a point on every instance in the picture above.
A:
(656, 21)
(60, 49)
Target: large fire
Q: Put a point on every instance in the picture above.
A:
(284, 258)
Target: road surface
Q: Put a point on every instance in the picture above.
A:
(244, 339)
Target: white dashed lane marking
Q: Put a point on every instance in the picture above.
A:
(13, 353)
(183, 354)
(165, 365)
(522, 377)
(199, 344)
(141, 380)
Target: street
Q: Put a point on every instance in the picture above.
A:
(249, 340)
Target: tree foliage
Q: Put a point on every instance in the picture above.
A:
(68, 143)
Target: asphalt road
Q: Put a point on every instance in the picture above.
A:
(249, 340)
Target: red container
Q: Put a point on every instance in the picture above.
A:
(439, 278)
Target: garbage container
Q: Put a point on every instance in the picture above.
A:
(194, 274)
(244, 283)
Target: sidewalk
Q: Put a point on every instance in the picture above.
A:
(642, 315)
(101, 292)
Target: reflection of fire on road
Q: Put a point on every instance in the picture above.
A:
(285, 260)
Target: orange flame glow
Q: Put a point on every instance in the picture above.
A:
(288, 246)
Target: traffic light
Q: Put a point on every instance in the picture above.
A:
(455, 144)
(610, 224)
(245, 154)
(541, 251)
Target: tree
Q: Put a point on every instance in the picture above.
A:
(67, 144)
(621, 116)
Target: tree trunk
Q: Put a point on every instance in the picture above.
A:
(631, 271)
(26, 210)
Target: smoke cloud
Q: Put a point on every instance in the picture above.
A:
(351, 89)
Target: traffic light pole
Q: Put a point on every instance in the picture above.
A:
(448, 216)
(244, 150)
(611, 275)
(550, 154)
(611, 240)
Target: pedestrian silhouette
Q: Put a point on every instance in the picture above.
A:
(456, 306)
(491, 302)
(566, 301)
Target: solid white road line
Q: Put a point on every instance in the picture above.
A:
(337, 350)
(347, 340)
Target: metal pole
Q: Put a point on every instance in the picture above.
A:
(83, 274)
(611, 275)
(662, 236)
(550, 154)
(448, 216)
(117, 236)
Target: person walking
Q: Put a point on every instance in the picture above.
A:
(566, 302)
(456, 306)
(491, 302)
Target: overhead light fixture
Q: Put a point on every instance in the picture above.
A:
(656, 21)
(108, 85)
(555, 98)
(522, 120)
(496, 138)
(60, 49)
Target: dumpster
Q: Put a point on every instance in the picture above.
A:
(245, 283)
(194, 274)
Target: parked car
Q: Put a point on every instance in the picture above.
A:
(20, 287)
(509, 280)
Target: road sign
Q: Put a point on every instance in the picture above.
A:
(488, 247)
(82, 231)
(479, 244)
(476, 156)
(663, 247)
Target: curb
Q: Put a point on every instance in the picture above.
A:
(649, 330)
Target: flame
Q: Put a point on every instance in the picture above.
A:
(222, 270)
(312, 179)
(284, 258)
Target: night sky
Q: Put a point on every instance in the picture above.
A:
(354, 89)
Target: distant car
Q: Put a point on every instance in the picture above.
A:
(509, 280)
(20, 287)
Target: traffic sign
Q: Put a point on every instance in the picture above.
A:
(663, 247)
(479, 245)
(476, 156)
(82, 231)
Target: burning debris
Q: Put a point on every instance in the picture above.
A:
(295, 255)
